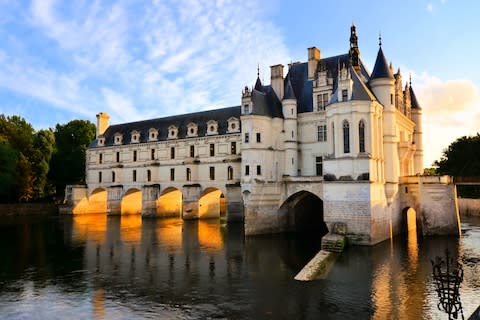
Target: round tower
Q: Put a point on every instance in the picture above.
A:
(289, 108)
(417, 114)
(382, 83)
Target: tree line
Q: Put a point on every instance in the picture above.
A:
(37, 165)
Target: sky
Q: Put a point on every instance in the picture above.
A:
(65, 60)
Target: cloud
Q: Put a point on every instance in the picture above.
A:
(430, 7)
(451, 109)
(139, 60)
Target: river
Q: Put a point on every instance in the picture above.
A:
(114, 267)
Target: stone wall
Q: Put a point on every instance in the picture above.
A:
(469, 207)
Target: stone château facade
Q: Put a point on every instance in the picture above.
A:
(326, 142)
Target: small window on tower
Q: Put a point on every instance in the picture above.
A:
(344, 95)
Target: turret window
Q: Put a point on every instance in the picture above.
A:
(233, 147)
(172, 174)
(149, 175)
(152, 154)
(230, 173)
(346, 137)
(259, 170)
(212, 149)
(192, 151)
(212, 173)
(100, 177)
(134, 175)
(100, 158)
(247, 170)
(319, 166)
(172, 152)
(189, 174)
(134, 155)
(113, 176)
(361, 136)
(246, 109)
(344, 95)
(259, 137)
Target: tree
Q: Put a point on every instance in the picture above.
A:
(68, 161)
(8, 163)
(461, 158)
(43, 147)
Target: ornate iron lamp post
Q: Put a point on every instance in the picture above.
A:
(448, 275)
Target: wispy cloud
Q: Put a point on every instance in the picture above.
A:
(139, 60)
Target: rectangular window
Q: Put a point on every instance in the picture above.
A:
(149, 175)
(118, 156)
(212, 149)
(212, 173)
(134, 175)
(259, 138)
(322, 101)
(391, 98)
(233, 148)
(259, 170)
(172, 174)
(246, 109)
(100, 158)
(189, 174)
(113, 176)
(247, 170)
(247, 137)
(152, 154)
(344, 95)
(322, 133)
(172, 153)
(192, 151)
(100, 177)
(134, 155)
(319, 166)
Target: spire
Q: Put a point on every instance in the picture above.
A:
(379, 39)
(289, 93)
(258, 83)
(354, 52)
(381, 68)
(413, 99)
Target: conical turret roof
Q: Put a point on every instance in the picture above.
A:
(413, 99)
(289, 93)
(381, 69)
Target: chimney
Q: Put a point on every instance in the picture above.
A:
(102, 123)
(276, 80)
(313, 59)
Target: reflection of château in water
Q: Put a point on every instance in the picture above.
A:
(328, 142)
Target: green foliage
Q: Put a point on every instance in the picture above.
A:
(430, 171)
(68, 161)
(8, 163)
(461, 158)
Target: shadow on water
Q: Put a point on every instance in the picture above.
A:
(168, 268)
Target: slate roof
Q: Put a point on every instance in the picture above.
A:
(360, 91)
(289, 93)
(381, 68)
(413, 100)
(303, 88)
(266, 102)
(162, 124)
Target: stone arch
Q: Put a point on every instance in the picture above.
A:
(169, 203)
(410, 220)
(212, 203)
(131, 202)
(97, 201)
(303, 211)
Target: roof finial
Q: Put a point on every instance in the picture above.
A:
(379, 39)
(410, 79)
(258, 70)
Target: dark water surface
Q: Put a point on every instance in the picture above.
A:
(125, 268)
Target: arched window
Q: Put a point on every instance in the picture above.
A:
(230, 173)
(361, 136)
(346, 137)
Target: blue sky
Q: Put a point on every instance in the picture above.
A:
(63, 60)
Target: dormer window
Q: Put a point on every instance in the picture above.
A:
(233, 125)
(152, 134)
(101, 142)
(135, 137)
(246, 109)
(212, 127)
(118, 138)
(172, 132)
(344, 95)
(192, 130)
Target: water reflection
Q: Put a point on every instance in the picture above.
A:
(130, 267)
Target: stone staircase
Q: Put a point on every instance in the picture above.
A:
(335, 240)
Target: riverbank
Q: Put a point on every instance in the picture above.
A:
(28, 209)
